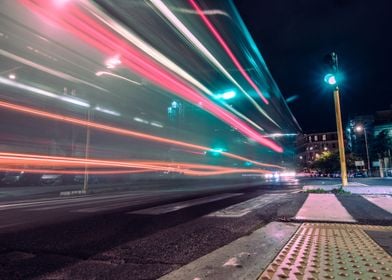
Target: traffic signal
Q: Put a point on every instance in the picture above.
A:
(331, 60)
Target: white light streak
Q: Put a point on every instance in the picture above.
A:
(48, 70)
(42, 92)
(101, 73)
(156, 124)
(136, 119)
(15, 84)
(75, 101)
(107, 111)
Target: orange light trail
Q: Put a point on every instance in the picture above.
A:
(43, 164)
(121, 131)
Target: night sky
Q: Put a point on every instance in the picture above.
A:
(294, 35)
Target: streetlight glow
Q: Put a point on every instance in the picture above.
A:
(360, 128)
(226, 95)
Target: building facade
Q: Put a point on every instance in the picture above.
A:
(377, 143)
(311, 146)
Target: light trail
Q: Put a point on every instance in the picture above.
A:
(91, 32)
(40, 161)
(196, 43)
(48, 70)
(101, 73)
(121, 131)
(74, 172)
(227, 49)
(149, 50)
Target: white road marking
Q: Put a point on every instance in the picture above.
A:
(243, 208)
(163, 209)
(323, 207)
(382, 201)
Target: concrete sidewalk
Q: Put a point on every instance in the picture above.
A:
(352, 187)
(243, 259)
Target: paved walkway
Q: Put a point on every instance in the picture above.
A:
(331, 251)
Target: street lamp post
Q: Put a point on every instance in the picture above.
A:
(332, 61)
(359, 129)
(87, 151)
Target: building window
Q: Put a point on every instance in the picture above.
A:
(324, 137)
(315, 138)
(310, 138)
(333, 146)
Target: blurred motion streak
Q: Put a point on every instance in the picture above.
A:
(227, 49)
(168, 63)
(120, 131)
(9, 161)
(101, 73)
(189, 35)
(47, 70)
(84, 27)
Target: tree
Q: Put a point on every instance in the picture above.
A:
(381, 145)
(329, 162)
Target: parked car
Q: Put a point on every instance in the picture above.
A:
(360, 174)
(79, 179)
(21, 179)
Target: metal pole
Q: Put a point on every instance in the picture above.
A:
(342, 156)
(367, 151)
(85, 182)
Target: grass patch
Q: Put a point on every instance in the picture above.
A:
(334, 191)
(340, 191)
(317, 191)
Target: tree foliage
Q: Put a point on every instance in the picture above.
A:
(381, 145)
(329, 162)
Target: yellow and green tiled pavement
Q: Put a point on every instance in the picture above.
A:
(332, 251)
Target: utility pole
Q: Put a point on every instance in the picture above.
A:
(331, 78)
(87, 149)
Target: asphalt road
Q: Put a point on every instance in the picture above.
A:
(138, 234)
(131, 232)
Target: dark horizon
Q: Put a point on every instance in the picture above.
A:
(293, 37)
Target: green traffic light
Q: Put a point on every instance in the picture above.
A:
(330, 79)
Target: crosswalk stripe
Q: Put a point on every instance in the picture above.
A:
(243, 208)
(163, 209)
(327, 209)
(382, 201)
